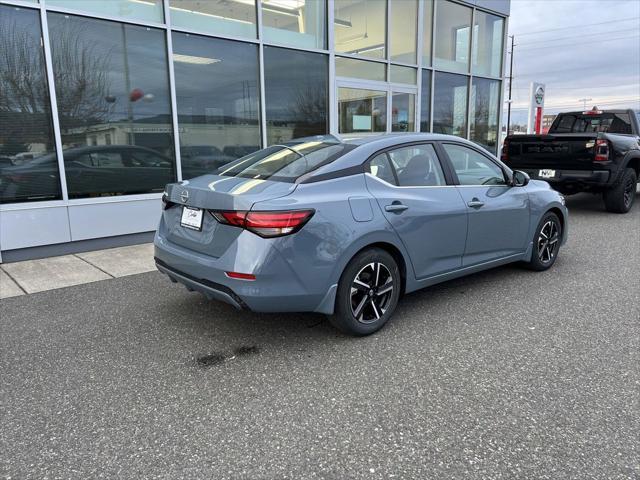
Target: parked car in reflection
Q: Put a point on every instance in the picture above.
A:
(90, 171)
(237, 151)
(198, 160)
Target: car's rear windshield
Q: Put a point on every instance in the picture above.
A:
(589, 123)
(285, 163)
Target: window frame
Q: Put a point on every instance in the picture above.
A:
(444, 165)
(506, 171)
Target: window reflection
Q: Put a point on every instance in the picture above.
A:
(425, 102)
(217, 98)
(28, 163)
(485, 103)
(427, 27)
(487, 44)
(403, 31)
(113, 103)
(149, 10)
(360, 27)
(453, 28)
(295, 98)
(367, 70)
(362, 110)
(294, 22)
(221, 17)
(403, 112)
(450, 104)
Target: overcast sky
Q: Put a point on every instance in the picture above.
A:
(578, 49)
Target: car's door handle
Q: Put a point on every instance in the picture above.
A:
(396, 207)
(475, 203)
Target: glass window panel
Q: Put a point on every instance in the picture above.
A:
(417, 166)
(485, 104)
(403, 112)
(348, 67)
(473, 168)
(427, 32)
(147, 10)
(450, 104)
(217, 98)
(114, 106)
(487, 44)
(221, 17)
(400, 74)
(403, 31)
(294, 22)
(360, 27)
(453, 28)
(425, 102)
(361, 111)
(28, 163)
(381, 168)
(296, 99)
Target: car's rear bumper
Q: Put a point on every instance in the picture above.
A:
(573, 178)
(211, 290)
(275, 289)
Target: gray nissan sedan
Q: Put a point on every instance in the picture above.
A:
(345, 227)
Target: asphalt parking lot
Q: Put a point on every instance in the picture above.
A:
(504, 374)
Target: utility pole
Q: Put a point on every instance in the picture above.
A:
(584, 102)
(510, 84)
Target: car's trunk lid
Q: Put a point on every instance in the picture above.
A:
(215, 193)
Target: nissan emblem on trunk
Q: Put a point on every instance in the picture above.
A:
(184, 196)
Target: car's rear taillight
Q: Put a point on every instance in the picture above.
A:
(505, 151)
(602, 150)
(266, 224)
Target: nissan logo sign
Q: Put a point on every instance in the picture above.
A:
(539, 95)
(184, 196)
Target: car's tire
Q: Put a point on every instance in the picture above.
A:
(546, 243)
(368, 293)
(620, 197)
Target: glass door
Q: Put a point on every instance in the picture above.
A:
(374, 108)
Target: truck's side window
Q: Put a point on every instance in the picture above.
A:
(621, 123)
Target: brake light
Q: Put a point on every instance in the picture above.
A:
(266, 224)
(593, 111)
(602, 150)
(505, 151)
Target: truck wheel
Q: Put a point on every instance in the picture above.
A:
(620, 197)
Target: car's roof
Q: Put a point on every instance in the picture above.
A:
(364, 146)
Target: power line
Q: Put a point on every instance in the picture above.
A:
(581, 43)
(635, 29)
(579, 26)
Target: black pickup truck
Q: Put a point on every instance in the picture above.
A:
(595, 151)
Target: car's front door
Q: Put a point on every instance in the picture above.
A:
(427, 213)
(498, 212)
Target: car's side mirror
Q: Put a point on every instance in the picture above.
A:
(520, 179)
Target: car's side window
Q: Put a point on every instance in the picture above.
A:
(380, 167)
(472, 167)
(417, 166)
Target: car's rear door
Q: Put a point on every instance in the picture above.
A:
(427, 212)
(498, 212)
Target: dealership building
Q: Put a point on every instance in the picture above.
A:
(102, 103)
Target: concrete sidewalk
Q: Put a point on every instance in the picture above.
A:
(33, 276)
